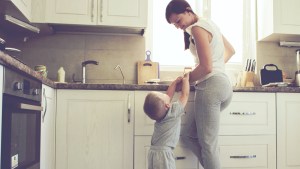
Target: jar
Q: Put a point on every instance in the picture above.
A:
(41, 69)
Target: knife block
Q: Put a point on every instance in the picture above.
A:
(247, 79)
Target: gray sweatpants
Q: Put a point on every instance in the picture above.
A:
(202, 129)
(161, 157)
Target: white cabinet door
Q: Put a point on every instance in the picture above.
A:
(48, 128)
(128, 13)
(94, 129)
(71, 12)
(288, 130)
(132, 13)
(277, 20)
(24, 6)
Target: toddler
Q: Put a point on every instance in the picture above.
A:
(167, 115)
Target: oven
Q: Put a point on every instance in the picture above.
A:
(21, 122)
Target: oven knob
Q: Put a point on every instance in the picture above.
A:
(35, 92)
(18, 86)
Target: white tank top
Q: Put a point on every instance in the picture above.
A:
(216, 46)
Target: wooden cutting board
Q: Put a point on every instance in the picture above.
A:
(146, 70)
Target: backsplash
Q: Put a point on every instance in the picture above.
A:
(70, 50)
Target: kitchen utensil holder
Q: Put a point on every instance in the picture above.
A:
(247, 79)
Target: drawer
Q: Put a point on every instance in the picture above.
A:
(185, 159)
(248, 114)
(251, 152)
(143, 124)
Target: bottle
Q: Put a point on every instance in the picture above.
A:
(61, 75)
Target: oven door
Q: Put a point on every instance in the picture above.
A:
(21, 127)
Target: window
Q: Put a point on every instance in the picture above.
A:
(235, 18)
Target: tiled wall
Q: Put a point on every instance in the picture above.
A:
(69, 50)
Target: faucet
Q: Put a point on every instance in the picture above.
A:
(119, 67)
(84, 63)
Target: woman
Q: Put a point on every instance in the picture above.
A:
(213, 90)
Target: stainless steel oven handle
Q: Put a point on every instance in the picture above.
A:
(30, 107)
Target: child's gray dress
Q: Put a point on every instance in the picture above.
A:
(164, 139)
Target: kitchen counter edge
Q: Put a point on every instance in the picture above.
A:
(14, 64)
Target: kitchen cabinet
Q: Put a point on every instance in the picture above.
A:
(288, 135)
(24, 6)
(47, 160)
(94, 128)
(126, 13)
(247, 133)
(277, 20)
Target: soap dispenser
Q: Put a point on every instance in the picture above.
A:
(61, 75)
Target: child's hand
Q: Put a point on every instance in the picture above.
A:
(178, 79)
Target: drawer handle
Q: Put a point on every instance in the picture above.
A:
(180, 158)
(249, 156)
(128, 109)
(242, 113)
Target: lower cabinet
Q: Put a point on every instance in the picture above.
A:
(47, 160)
(247, 136)
(288, 130)
(248, 152)
(94, 129)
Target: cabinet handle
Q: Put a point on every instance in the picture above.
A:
(246, 156)
(242, 113)
(128, 109)
(45, 98)
(92, 10)
(180, 158)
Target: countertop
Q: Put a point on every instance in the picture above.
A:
(16, 65)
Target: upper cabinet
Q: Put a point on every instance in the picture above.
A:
(24, 6)
(127, 13)
(277, 20)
